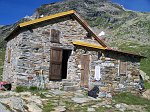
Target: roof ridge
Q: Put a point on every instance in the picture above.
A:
(46, 18)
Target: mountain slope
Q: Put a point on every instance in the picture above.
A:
(126, 30)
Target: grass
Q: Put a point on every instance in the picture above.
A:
(21, 89)
(131, 99)
(48, 107)
(147, 85)
(32, 89)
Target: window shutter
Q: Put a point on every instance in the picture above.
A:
(9, 55)
(55, 64)
(55, 35)
(123, 68)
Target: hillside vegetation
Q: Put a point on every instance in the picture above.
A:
(125, 30)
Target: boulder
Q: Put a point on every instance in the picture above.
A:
(32, 107)
(144, 75)
(121, 107)
(80, 100)
(3, 108)
(6, 94)
(91, 110)
(146, 94)
(60, 109)
(15, 103)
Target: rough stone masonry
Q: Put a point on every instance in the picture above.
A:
(28, 53)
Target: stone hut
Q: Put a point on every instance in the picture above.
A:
(61, 51)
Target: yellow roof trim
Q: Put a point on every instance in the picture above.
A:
(46, 18)
(85, 44)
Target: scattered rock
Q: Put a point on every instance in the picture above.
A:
(26, 94)
(15, 103)
(121, 107)
(80, 100)
(79, 95)
(91, 110)
(144, 76)
(60, 109)
(146, 94)
(32, 107)
(36, 99)
(136, 108)
(57, 92)
(6, 94)
(3, 108)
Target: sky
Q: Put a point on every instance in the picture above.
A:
(13, 10)
(136, 5)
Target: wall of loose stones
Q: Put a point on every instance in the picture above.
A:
(111, 79)
(31, 51)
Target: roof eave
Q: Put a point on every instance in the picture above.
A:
(81, 21)
(127, 53)
(12, 33)
(86, 26)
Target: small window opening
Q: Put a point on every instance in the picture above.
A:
(88, 36)
(55, 36)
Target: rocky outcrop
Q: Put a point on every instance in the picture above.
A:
(101, 14)
(146, 94)
(60, 101)
(19, 102)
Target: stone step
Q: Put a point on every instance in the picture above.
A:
(97, 83)
(69, 83)
(71, 88)
(66, 80)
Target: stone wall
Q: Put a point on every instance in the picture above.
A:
(111, 81)
(30, 53)
(30, 50)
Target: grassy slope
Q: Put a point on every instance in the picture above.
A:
(131, 99)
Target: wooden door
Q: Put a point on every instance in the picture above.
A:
(85, 59)
(55, 64)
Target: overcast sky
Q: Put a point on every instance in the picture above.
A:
(13, 10)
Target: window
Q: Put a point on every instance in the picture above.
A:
(122, 68)
(88, 36)
(9, 55)
(55, 35)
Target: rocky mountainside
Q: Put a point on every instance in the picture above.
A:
(102, 15)
(126, 30)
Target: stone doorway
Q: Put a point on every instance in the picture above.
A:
(58, 63)
(65, 56)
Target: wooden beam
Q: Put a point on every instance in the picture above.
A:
(46, 18)
(85, 44)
